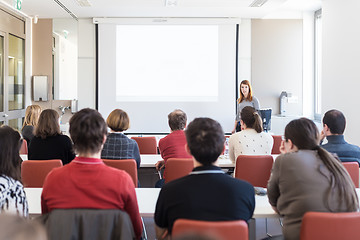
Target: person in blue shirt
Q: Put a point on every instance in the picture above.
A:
(334, 123)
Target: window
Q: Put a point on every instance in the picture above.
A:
(318, 64)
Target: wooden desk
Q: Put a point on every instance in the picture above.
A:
(147, 198)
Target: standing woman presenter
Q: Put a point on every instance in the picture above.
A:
(246, 99)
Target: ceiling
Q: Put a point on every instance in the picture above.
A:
(157, 8)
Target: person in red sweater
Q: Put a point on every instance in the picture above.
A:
(173, 145)
(87, 182)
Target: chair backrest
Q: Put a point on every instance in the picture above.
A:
(229, 230)
(147, 145)
(34, 172)
(330, 226)
(277, 144)
(255, 169)
(24, 147)
(88, 224)
(128, 165)
(177, 167)
(353, 170)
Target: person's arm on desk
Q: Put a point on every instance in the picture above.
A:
(160, 164)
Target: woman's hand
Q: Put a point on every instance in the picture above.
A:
(159, 165)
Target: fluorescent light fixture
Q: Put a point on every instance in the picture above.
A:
(258, 3)
(171, 3)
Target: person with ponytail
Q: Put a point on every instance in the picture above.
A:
(246, 99)
(251, 140)
(305, 177)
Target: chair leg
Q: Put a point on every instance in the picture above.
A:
(266, 228)
(144, 229)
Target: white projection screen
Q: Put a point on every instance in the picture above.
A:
(149, 70)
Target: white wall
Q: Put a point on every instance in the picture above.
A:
(276, 62)
(86, 64)
(341, 65)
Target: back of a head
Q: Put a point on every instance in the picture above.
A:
(87, 131)
(10, 143)
(32, 115)
(335, 120)
(48, 124)
(118, 120)
(251, 118)
(303, 133)
(177, 120)
(205, 138)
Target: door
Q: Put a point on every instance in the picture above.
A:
(12, 80)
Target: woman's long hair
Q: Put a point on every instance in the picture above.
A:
(10, 161)
(304, 135)
(48, 124)
(32, 115)
(251, 118)
(249, 96)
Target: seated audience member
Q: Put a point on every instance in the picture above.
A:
(305, 177)
(12, 195)
(173, 145)
(87, 182)
(207, 193)
(48, 142)
(17, 228)
(32, 114)
(251, 140)
(117, 145)
(333, 129)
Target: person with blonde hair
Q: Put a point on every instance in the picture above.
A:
(48, 142)
(32, 115)
(246, 99)
(118, 145)
(306, 177)
(251, 140)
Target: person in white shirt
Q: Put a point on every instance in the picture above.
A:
(251, 140)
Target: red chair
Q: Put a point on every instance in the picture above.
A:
(277, 144)
(34, 172)
(330, 226)
(353, 170)
(24, 147)
(147, 145)
(128, 165)
(229, 230)
(255, 169)
(177, 167)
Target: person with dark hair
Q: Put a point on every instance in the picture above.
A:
(305, 177)
(117, 145)
(173, 145)
(207, 193)
(251, 140)
(246, 99)
(334, 123)
(87, 182)
(12, 194)
(48, 142)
